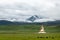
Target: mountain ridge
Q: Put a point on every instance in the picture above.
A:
(5, 22)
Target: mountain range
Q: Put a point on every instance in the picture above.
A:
(5, 22)
(31, 20)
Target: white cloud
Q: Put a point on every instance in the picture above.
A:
(44, 20)
(14, 8)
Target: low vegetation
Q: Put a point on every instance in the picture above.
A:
(28, 32)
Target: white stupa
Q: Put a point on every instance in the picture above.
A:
(42, 30)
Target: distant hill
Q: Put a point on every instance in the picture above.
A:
(57, 22)
(5, 22)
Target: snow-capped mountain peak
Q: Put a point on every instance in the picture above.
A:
(34, 18)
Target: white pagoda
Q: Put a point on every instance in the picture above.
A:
(42, 30)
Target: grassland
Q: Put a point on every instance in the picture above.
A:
(30, 36)
(28, 32)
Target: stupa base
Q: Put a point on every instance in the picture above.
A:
(41, 32)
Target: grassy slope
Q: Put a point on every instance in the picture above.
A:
(28, 28)
(28, 32)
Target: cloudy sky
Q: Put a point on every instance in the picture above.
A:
(17, 8)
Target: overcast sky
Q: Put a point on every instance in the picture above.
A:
(15, 8)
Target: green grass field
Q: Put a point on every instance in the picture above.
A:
(30, 36)
(28, 32)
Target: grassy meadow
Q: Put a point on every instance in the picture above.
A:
(28, 32)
